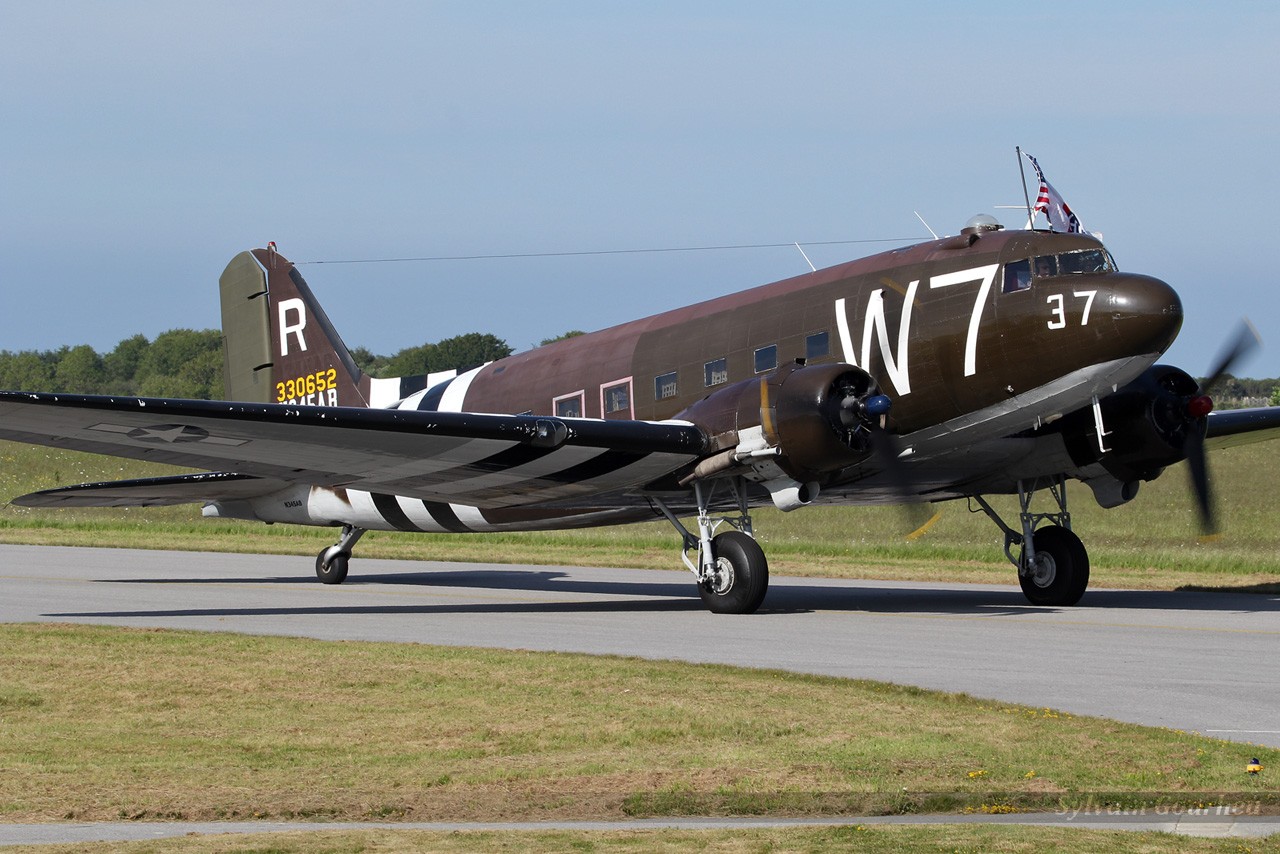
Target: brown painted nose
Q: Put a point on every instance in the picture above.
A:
(1145, 312)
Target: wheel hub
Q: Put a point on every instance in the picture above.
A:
(721, 579)
(1043, 569)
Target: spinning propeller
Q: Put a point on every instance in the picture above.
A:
(1198, 407)
(865, 415)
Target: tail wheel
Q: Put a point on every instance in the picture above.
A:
(334, 570)
(1059, 573)
(740, 578)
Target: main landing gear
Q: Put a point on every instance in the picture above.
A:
(331, 563)
(732, 572)
(1053, 566)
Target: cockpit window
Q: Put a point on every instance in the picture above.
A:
(1020, 274)
(1088, 261)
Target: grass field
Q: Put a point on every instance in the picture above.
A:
(1150, 543)
(106, 724)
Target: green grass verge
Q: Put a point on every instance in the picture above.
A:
(1149, 543)
(105, 723)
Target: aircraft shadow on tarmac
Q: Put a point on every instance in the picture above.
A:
(789, 597)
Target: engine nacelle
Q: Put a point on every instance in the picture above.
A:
(1147, 424)
(792, 427)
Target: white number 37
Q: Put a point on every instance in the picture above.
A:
(1059, 313)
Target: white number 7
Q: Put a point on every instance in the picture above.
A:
(1088, 304)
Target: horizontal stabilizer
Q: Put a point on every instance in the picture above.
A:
(154, 491)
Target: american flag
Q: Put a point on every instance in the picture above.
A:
(1059, 214)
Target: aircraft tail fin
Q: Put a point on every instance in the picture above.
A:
(279, 346)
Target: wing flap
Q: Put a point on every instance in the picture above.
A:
(485, 460)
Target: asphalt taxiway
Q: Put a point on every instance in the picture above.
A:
(1190, 661)
(1211, 824)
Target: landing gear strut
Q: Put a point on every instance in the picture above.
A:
(331, 563)
(1053, 565)
(732, 572)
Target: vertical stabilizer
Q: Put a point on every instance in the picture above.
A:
(246, 338)
(278, 344)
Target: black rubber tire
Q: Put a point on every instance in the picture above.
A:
(1064, 582)
(744, 590)
(336, 570)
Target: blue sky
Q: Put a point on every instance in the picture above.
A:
(146, 143)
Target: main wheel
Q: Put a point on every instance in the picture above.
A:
(741, 576)
(1060, 572)
(335, 571)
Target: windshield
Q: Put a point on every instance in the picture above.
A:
(1084, 261)
(1019, 275)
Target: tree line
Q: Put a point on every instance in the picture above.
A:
(187, 363)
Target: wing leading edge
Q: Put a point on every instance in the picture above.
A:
(1232, 427)
(484, 460)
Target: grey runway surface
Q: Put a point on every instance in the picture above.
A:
(1194, 662)
(1214, 824)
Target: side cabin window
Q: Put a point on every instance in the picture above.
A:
(615, 399)
(816, 346)
(716, 372)
(569, 405)
(1017, 276)
(664, 386)
(766, 358)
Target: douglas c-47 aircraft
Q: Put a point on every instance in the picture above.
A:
(991, 362)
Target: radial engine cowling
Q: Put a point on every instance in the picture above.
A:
(792, 428)
(1147, 423)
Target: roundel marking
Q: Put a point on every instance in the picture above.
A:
(169, 434)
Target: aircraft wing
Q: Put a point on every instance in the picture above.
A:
(478, 459)
(155, 491)
(1232, 427)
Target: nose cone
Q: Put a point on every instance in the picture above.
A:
(1145, 313)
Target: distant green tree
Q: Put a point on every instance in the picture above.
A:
(411, 361)
(26, 371)
(173, 350)
(572, 333)
(1275, 396)
(204, 375)
(376, 366)
(470, 350)
(1231, 392)
(80, 370)
(1228, 387)
(460, 351)
(165, 385)
(364, 358)
(121, 364)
